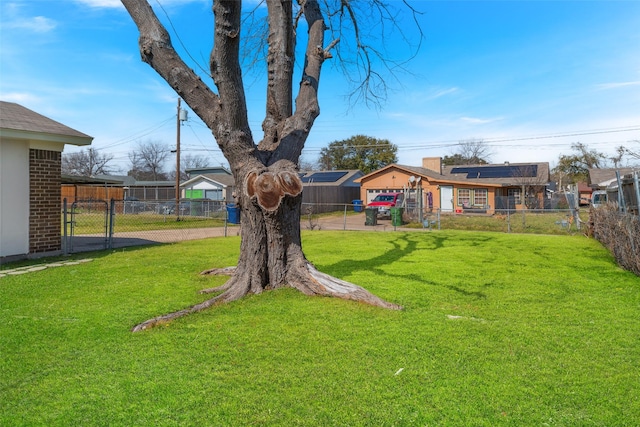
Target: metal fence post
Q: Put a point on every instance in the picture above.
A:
(621, 202)
(112, 215)
(226, 220)
(344, 218)
(65, 249)
(636, 184)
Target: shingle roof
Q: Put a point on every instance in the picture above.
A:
(220, 178)
(16, 117)
(602, 177)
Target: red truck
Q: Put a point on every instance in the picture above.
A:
(385, 201)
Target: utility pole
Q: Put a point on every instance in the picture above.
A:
(180, 117)
(178, 163)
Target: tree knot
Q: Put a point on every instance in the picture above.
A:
(270, 187)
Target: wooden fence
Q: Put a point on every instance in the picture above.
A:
(73, 192)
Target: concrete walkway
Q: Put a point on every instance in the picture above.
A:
(40, 267)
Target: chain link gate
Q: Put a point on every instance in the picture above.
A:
(86, 224)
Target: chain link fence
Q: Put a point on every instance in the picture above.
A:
(358, 217)
(97, 224)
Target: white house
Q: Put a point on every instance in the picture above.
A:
(214, 186)
(31, 148)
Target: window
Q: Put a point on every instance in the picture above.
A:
(476, 197)
(464, 197)
(515, 193)
(480, 197)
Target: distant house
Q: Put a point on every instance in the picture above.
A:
(217, 170)
(321, 188)
(328, 190)
(600, 179)
(31, 148)
(473, 188)
(584, 193)
(212, 186)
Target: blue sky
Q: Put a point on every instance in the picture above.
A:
(530, 78)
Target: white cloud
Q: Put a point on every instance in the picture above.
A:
(22, 98)
(102, 3)
(443, 92)
(478, 121)
(38, 24)
(616, 85)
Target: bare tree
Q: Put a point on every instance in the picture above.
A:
(190, 161)
(269, 189)
(470, 152)
(633, 153)
(147, 161)
(87, 163)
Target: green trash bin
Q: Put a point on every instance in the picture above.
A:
(396, 216)
(371, 216)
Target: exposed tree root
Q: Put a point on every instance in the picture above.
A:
(319, 283)
(304, 277)
(226, 271)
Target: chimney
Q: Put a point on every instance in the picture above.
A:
(433, 164)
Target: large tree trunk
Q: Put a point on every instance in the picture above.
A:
(269, 190)
(271, 257)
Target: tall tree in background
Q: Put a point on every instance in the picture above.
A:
(358, 152)
(87, 163)
(147, 161)
(269, 188)
(574, 168)
(469, 152)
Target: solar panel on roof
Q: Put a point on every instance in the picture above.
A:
(520, 171)
(326, 176)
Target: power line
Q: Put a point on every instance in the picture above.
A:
(138, 135)
(494, 142)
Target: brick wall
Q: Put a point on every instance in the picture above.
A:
(44, 201)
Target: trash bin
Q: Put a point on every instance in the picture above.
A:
(233, 213)
(396, 216)
(371, 216)
(357, 205)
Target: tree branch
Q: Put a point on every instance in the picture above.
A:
(280, 60)
(297, 127)
(224, 113)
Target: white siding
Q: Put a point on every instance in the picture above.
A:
(14, 198)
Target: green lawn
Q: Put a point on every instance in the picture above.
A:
(498, 329)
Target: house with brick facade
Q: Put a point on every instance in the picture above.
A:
(31, 148)
(463, 188)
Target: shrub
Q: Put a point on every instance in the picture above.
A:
(618, 232)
